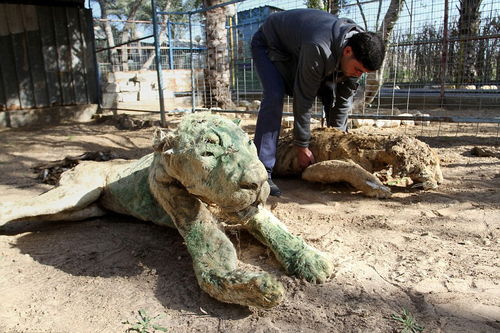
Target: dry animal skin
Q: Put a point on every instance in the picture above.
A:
(354, 158)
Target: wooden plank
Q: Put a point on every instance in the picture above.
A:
(10, 86)
(4, 28)
(77, 66)
(30, 19)
(35, 55)
(87, 29)
(21, 57)
(63, 56)
(3, 101)
(8, 79)
(49, 52)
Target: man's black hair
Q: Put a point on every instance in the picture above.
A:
(368, 48)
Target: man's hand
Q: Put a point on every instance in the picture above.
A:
(304, 156)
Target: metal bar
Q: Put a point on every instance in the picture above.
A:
(124, 109)
(444, 119)
(130, 41)
(158, 65)
(90, 30)
(452, 39)
(170, 50)
(193, 101)
(360, 3)
(201, 10)
(444, 54)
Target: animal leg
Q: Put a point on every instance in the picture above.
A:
(346, 171)
(69, 200)
(214, 256)
(297, 257)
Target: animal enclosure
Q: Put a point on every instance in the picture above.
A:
(442, 61)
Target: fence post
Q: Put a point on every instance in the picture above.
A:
(193, 101)
(444, 54)
(170, 50)
(158, 65)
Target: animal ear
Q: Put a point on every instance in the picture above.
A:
(162, 140)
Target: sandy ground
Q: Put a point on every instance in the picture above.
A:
(434, 253)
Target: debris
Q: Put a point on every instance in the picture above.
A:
(50, 172)
(484, 152)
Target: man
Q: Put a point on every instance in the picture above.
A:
(307, 53)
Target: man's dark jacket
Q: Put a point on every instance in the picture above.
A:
(306, 46)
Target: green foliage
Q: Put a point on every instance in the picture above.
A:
(407, 322)
(331, 6)
(317, 4)
(144, 324)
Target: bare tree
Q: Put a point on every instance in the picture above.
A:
(127, 30)
(113, 53)
(161, 34)
(331, 6)
(374, 80)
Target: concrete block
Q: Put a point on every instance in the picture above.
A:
(132, 96)
(409, 122)
(47, 116)
(385, 123)
(109, 100)
(362, 122)
(112, 87)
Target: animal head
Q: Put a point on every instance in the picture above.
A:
(214, 160)
(415, 159)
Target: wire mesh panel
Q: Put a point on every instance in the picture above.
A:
(442, 56)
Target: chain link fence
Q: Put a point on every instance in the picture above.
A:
(443, 60)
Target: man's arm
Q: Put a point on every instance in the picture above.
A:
(344, 94)
(310, 71)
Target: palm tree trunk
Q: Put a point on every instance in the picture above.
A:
(468, 28)
(217, 74)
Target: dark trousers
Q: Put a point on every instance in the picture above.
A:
(271, 107)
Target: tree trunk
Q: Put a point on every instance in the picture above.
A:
(113, 53)
(217, 74)
(333, 6)
(375, 79)
(497, 74)
(161, 39)
(468, 28)
(127, 32)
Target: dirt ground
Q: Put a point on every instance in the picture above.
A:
(434, 253)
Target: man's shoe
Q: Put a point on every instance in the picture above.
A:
(275, 190)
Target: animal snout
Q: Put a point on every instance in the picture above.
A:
(252, 177)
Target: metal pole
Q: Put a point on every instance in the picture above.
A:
(444, 52)
(158, 66)
(170, 48)
(193, 101)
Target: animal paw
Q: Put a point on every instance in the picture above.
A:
(377, 190)
(245, 288)
(427, 185)
(310, 264)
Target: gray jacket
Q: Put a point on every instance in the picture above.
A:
(306, 46)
